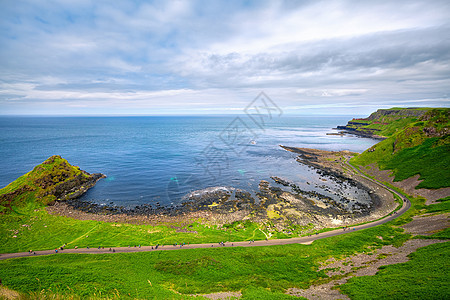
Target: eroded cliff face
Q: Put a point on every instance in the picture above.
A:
(399, 113)
(384, 122)
(54, 179)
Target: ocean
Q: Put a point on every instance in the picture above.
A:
(161, 158)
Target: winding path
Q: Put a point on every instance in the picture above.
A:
(300, 240)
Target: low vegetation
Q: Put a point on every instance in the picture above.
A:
(425, 276)
(54, 179)
(420, 148)
(265, 271)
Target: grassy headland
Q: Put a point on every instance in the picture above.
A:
(415, 145)
(54, 179)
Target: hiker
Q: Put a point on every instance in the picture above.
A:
(109, 249)
(56, 250)
(114, 250)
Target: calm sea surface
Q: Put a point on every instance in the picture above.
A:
(160, 159)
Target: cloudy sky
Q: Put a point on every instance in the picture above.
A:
(213, 57)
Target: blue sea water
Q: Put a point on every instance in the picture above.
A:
(160, 159)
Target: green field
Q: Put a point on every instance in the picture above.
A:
(257, 270)
(37, 230)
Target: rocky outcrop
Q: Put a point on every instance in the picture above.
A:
(55, 179)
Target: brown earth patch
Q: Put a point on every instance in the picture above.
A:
(359, 265)
(408, 185)
(222, 295)
(6, 293)
(427, 224)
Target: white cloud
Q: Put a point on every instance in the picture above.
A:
(209, 56)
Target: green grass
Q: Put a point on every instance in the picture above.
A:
(390, 125)
(442, 207)
(40, 185)
(425, 276)
(430, 161)
(411, 150)
(38, 230)
(259, 272)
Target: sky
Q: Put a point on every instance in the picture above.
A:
(214, 57)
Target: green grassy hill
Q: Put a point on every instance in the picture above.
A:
(54, 179)
(415, 145)
(385, 122)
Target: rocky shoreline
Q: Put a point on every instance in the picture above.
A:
(282, 204)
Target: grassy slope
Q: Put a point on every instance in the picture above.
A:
(38, 185)
(385, 126)
(261, 272)
(425, 276)
(410, 151)
(37, 230)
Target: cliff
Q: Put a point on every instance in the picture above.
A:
(384, 122)
(54, 179)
